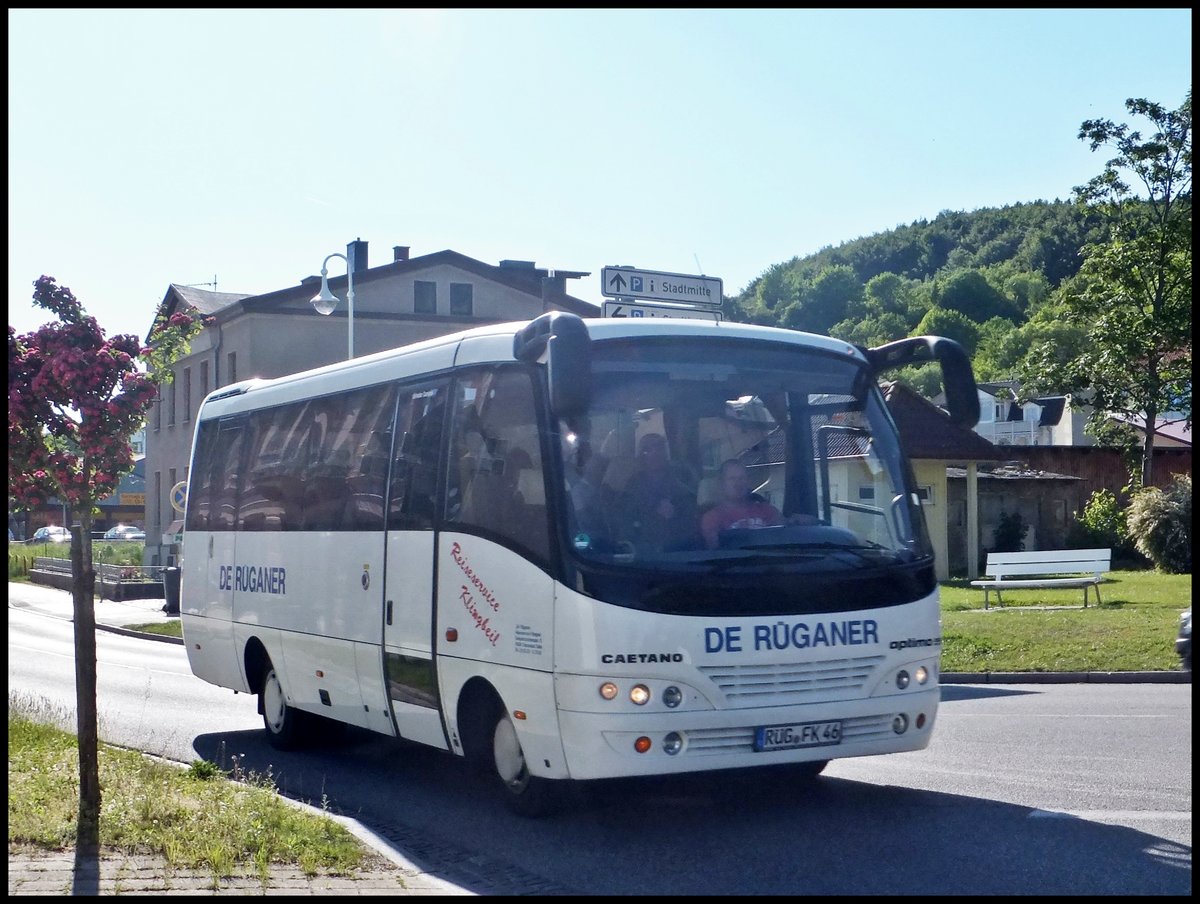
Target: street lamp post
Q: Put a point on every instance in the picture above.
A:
(325, 301)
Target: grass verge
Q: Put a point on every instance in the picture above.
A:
(202, 817)
(1048, 630)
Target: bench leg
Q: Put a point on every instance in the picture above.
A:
(1085, 595)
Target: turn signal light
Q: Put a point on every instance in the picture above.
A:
(642, 744)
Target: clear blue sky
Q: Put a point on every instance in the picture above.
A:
(151, 147)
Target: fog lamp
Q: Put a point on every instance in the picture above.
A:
(900, 724)
(672, 744)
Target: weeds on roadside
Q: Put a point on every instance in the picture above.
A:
(196, 817)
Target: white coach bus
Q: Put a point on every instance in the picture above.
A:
(516, 544)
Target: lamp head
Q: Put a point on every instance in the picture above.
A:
(324, 301)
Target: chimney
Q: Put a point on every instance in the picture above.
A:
(399, 253)
(356, 254)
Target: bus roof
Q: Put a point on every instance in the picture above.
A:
(482, 344)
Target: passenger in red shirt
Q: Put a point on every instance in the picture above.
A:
(737, 508)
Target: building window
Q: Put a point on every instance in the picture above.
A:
(187, 394)
(203, 379)
(866, 493)
(462, 297)
(232, 367)
(925, 494)
(424, 297)
(171, 408)
(157, 510)
(158, 409)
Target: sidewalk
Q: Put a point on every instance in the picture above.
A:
(34, 872)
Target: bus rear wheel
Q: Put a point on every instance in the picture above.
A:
(286, 726)
(525, 794)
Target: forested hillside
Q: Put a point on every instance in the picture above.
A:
(988, 279)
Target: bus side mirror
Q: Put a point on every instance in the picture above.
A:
(562, 340)
(962, 398)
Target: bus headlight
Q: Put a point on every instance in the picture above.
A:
(639, 694)
(902, 679)
(672, 697)
(922, 674)
(608, 690)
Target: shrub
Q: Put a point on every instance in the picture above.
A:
(1160, 523)
(1010, 532)
(1103, 524)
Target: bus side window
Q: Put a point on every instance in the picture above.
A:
(420, 420)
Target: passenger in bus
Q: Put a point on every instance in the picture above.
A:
(737, 507)
(659, 508)
(585, 484)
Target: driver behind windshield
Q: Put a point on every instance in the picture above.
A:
(737, 507)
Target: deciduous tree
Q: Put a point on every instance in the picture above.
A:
(75, 399)
(1135, 296)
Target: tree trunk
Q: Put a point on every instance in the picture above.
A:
(1148, 446)
(83, 582)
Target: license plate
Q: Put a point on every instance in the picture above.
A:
(803, 734)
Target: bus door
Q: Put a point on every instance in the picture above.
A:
(409, 575)
(210, 550)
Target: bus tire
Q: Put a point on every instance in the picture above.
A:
(526, 795)
(285, 725)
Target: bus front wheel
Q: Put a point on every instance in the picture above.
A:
(525, 794)
(285, 725)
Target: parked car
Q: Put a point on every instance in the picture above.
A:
(1183, 641)
(125, 532)
(51, 534)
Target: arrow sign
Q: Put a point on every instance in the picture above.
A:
(654, 285)
(624, 309)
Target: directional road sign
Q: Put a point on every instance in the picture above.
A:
(624, 309)
(625, 282)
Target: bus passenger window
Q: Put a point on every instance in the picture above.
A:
(418, 447)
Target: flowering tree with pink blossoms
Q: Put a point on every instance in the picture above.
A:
(75, 399)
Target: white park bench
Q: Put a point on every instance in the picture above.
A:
(1046, 568)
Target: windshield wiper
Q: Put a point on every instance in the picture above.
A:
(873, 554)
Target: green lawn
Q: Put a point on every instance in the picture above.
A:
(1048, 630)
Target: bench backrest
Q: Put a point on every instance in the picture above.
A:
(1049, 561)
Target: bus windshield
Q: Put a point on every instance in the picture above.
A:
(720, 456)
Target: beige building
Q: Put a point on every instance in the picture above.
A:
(280, 332)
